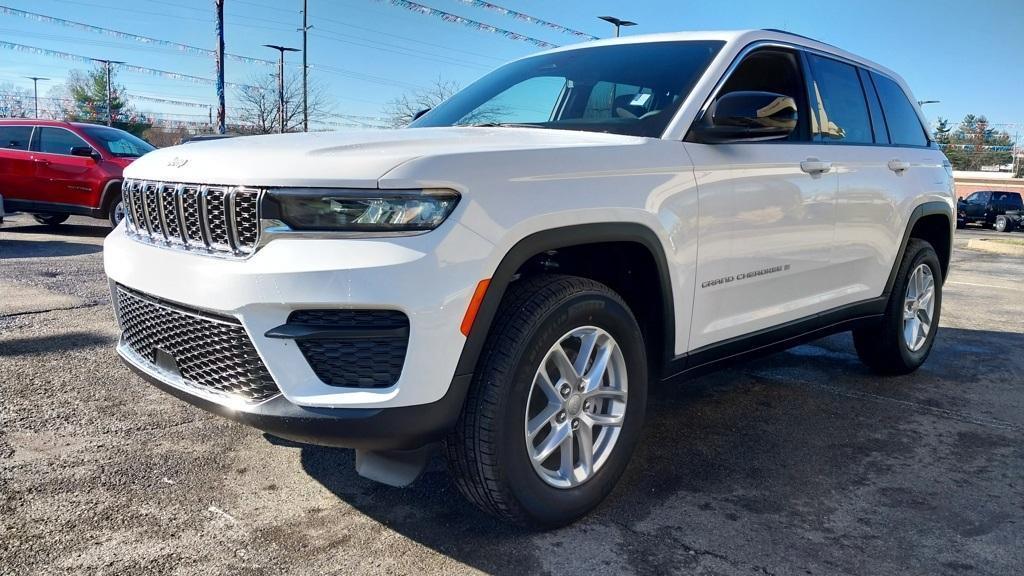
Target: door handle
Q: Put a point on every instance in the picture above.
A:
(814, 166)
(898, 166)
(42, 161)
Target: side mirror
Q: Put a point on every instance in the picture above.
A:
(86, 151)
(746, 116)
(419, 114)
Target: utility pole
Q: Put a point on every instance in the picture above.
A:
(219, 7)
(106, 65)
(35, 88)
(305, 67)
(617, 23)
(280, 82)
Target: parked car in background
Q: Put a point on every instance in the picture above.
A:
(54, 169)
(983, 207)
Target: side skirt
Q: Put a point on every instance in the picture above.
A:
(721, 354)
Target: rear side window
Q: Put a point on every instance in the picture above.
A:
(15, 137)
(56, 141)
(842, 111)
(874, 107)
(905, 127)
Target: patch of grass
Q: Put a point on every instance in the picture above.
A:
(1013, 241)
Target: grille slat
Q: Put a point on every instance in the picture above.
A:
(218, 220)
(213, 355)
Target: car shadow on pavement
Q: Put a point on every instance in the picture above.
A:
(36, 345)
(10, 249)
(98, 231)
(804, 456)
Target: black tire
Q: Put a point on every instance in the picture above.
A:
(114, 214)
(882, 346)
(1000, 225)
(487, 452)
(50, 219)
(961, 224)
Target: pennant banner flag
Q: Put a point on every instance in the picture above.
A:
(127, 36)
(527, 18)
(456, 19)
(167, 101)
(127, 67)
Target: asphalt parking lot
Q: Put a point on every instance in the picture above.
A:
(798, 463)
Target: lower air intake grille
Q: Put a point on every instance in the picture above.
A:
(212, 354)
(356, 362)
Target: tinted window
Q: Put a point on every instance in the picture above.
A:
(842, 112)
(773, 71)
(15, 137)
(665, 70)
(874, 108)
(118, 142)
(56, 141)
(900, 115)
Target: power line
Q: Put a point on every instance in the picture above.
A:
(124, 35)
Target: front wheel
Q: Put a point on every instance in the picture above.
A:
(902, 340)
(116, 212)
(50, 219)
(556, 405)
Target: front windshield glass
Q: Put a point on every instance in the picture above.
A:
(631, 89)
(118, 142)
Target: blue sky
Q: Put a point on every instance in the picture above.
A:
(365, 52)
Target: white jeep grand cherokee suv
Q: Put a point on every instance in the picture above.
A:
(510, 274)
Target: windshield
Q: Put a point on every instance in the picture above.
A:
(118, 142)
(631, 89)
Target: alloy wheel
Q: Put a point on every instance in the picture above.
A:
(918, 307)
(576, 407)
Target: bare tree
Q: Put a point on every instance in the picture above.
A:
(258, 104)
(15, 102)
(400, 111)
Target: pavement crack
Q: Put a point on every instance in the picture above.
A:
(933, 410)
(32, 312)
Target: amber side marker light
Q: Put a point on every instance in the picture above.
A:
(474, 306)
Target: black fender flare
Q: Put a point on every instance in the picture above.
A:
(112, 187)
(564, 237)
(926, 209)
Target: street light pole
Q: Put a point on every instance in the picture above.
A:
(617, 23)
(35, 89)
(280, 82)
(305, 67)
(218, 6)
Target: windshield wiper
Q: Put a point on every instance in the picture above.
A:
(505, 125)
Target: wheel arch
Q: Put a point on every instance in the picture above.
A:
(933, 222)
(563, 238)
(109, 191)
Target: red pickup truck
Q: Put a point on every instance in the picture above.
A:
(54, 169)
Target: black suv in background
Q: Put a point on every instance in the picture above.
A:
(982, 207)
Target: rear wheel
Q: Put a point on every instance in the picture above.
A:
(50, 219)
(556, 405)
(902, 340)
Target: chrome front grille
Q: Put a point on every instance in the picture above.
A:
(218, 220)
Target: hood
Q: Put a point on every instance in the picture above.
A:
(356, 158)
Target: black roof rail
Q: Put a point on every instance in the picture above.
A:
(794, 34)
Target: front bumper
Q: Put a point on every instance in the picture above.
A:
(429, 277)
(377, 429)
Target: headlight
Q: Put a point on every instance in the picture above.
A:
(327, 209)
